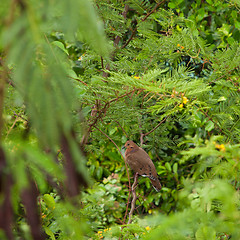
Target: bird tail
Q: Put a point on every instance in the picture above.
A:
(156, 184)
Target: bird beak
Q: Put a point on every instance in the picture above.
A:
(123, 147)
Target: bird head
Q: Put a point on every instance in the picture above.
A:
(130, 145)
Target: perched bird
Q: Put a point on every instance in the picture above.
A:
(141, 163)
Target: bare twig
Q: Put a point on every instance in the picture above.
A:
(119, 152)
(129, 184)
(124, 95)
(145, 134)
(106, 74)
(142, 135)
(125, 215)
(143, 19)
(122, 128)
(99, 115)
(150, 61)
(141, 132)
(11, 128)
(152, 11)
(131, 37)
(133, 203)
(210, 119)
(77, 79)
(126, 9)
(141, 138)
(102, 65)
(20, 116)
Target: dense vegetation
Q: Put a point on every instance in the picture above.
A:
(79, 78)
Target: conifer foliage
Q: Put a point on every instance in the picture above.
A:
(79, 78)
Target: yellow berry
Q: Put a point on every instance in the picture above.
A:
(221, 147)
(185, 100)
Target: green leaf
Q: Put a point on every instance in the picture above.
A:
(99, 172)
(49, 200)
(209, 1)
(49, 233)
(171, 5)
(222, 98)
(147, 182)
(61, 46)
(201, 14)
(168, 166)
(209, 126)
(237, 24)
(175, 167)
(112, 131)
(225, 29)
(205, 233)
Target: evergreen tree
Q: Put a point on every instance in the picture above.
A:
(77, 79)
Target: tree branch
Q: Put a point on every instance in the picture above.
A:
(133, 203)
(129, 183)
(152, 11)
(145, 134)
(118, 150)
(131, 37)
(124, 95)
(99, 115)
(122, 128)
(143, 19)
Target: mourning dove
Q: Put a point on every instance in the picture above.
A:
(140, 162)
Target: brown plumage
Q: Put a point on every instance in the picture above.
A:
(141, 163)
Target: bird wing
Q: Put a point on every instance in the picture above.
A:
(140, 162)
